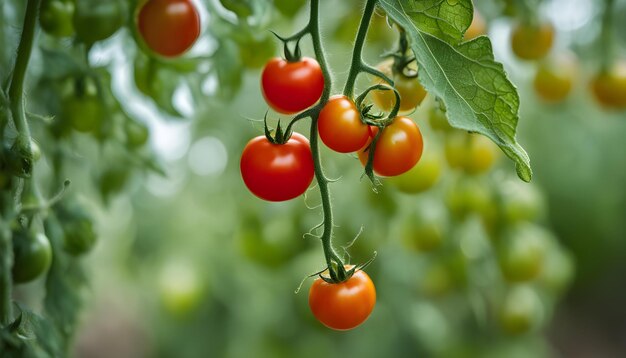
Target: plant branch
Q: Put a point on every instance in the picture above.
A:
(357, 64)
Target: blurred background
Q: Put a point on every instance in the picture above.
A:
(188, 263)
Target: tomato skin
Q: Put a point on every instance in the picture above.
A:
(532, 42)
(291, 87)
(609, 87)
(520, 310)
(277, 172)
(423, 176)
(340, 126)
(398, 149)
(169, 27)
(521, 254)
(32, 256)
(55, 17)
(555, 78)
(343, 306)
(411, 92)
(96, 20)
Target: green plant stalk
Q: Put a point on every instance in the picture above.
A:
(608, 46)
(357, 64)
(16, 99)
(24, 49)
(322, 181)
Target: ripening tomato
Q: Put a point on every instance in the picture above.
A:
(169, 27)
(343, 306)
(555, 78)
(340, 126)
(531, 42)
(477, 27)
(609, 87)
(398, 149)
(277, 172)
(291, 87)
(410, 90)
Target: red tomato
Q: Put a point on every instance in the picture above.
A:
(345, 305)
(169, 27)
(291, 87)
(398, 149)
(340, 126)
(277, 172)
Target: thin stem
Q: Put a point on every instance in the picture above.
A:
(322, 181)
(6, 259)
(16, 90)
(357, 64)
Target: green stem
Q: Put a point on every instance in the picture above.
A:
(357, 64)
(322, 181)
(608, 48)
(6, 259)
(16, 90)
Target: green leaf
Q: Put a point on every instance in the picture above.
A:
(446, 20)
(478, 95)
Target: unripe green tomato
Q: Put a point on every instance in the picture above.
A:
(136, 133)
(80, 236)
(112, 181)
(423, 176)
(473, 153)
(423, 234)
(467, 196)
(521, 202)
(32, 256)
(437, 280)
(84, 114)
(521, 253)
(438, 120)
(96, 20)
(180, 288)
(558, 270)
(55, 17)
(269, 244)
(520, 311)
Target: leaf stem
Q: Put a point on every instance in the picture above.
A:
(357, 64)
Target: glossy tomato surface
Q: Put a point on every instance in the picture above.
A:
(340, 126)
(291, 87)
(398, 149)
(169, 27)
(277, 172)
(345, 305)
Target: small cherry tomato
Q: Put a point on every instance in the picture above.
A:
(32, 256)
(169, 27)
(521, 253)
(340, 126)
(343, 306)
(477, 27)
(531, 42)
(96, 20)
(55, 17)
(423, 176)
(277, 172)
(438, 120)
(555, 78)
(291, 87)
(473, 153)
(609, 87)
(423, 233)
(411, 91)
(398, 149)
